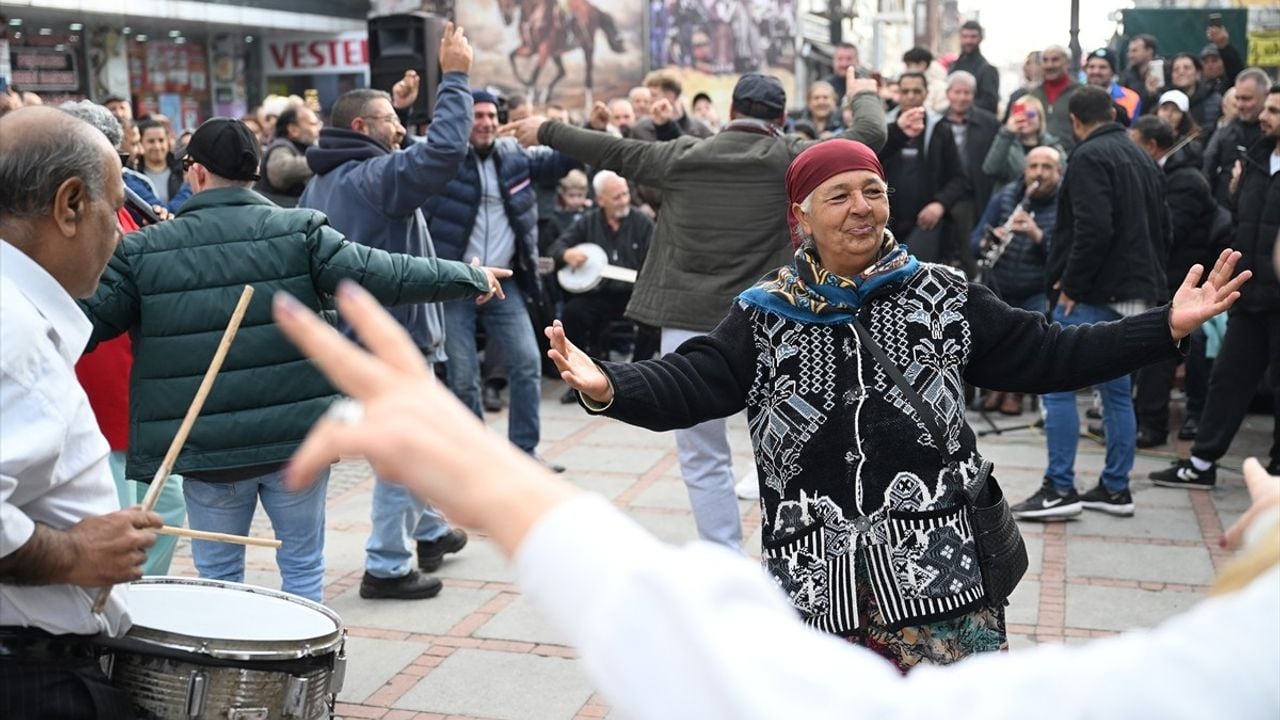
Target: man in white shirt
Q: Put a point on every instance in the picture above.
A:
(62, 532)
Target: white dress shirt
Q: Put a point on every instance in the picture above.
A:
(700, 632)
(53, 457)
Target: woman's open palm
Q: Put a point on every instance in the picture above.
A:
(576, 367)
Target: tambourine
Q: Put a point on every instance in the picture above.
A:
(587, 276)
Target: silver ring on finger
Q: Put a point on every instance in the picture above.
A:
(345, 411)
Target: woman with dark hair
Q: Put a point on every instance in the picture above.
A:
(1204, 103)
(1174, 108)
(851, 363)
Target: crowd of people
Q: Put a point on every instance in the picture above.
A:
(1098, 232)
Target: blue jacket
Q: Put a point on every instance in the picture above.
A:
(373, 195)
(1020, 272)
(452, 213)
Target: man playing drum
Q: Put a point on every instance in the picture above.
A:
(624, 236)
(62, 532)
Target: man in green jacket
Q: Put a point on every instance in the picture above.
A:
(719, 231)
(173, 285)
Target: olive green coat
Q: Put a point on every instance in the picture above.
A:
(173, 287)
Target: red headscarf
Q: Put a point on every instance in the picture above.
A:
(821, 162)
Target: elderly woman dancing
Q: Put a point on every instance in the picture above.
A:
(851, 363)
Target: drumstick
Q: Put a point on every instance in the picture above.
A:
(175, 447)
(217, 536)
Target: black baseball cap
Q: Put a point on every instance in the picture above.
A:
(1105, 54)
(1210, 49)
(227, 147)
(759, 96)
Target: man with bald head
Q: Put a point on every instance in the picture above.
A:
(62, 532)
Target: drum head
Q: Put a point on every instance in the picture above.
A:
(229, 620)
(588, 275)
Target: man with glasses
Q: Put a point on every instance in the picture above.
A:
(372, 191)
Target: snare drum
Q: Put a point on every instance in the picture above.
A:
(210, 649)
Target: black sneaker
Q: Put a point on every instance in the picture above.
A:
(1112, 503)
(1049, 504)
(1096, 430)
(1184, 474)
(1189, 428)
(431, 554)
(570, 397)
(413, 586)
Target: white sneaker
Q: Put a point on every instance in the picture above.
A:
(748, 488)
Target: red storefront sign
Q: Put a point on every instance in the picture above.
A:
(345, 54)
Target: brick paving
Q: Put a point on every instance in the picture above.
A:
(479, 651)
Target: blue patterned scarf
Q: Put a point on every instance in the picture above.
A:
(807, 292)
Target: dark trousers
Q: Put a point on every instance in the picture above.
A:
(1251, 343)
(587, 319)
(61, 690)
(1151, 396)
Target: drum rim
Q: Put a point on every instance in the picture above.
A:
(240, 649)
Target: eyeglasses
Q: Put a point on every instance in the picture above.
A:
(187, 162)
(392, 118)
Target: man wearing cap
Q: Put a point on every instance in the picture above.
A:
(487, 210)
(1215, 70)
(173, 285)
(720, 230)
(1100, 71)
(373, 191)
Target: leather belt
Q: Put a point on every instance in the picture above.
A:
(20, 643)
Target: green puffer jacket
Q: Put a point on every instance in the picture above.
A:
(173, 287)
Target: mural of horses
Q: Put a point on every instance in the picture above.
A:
(551, 28)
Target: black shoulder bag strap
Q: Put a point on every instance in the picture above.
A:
(913, 397)
(973, 487)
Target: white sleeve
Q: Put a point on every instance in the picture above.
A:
(701, 633)
(32, 431)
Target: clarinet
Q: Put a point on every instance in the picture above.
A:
(995, 246)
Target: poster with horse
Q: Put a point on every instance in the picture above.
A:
(566, 52)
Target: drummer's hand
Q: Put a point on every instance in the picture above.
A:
(111, 548)
(412, 430)
(573, 257)
(576, 367)
(495, 276)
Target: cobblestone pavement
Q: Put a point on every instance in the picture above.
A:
(480, 651)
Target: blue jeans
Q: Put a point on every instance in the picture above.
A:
(398, 520)
(507, 325)
(1062, 422)
(297, 517)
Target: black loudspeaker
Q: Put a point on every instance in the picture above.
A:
(407, 42)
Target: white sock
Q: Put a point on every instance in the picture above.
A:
(1201, 465)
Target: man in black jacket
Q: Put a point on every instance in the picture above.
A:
(974, 130)
(1106, 262)
(1252, 341)
(1243, 132)
(987, 95)
(624, 235)
(1192, 210)
(923, 168)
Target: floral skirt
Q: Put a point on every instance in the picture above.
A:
(938, 643)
